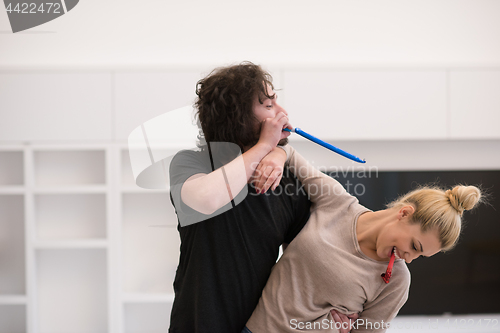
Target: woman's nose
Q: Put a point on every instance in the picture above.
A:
(410, 257)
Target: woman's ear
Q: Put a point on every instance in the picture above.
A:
(406, 211)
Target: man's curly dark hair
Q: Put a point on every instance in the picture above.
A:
(225, 103)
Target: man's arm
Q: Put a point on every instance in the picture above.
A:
(320, 187)
(206, 193)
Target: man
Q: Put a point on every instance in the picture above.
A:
(230, 240)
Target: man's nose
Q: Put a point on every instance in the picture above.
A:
(281, 109)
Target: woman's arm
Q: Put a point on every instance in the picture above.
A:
(206, 193)
(270, 170)
(379, 312)
(321, 188)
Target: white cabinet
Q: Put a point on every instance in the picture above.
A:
(364, 105)
(338, 104)
(475, 104)
(55, 106)
(141, 96)
(82, 249)
(149, 254)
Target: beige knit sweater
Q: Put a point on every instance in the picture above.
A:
(323, 268)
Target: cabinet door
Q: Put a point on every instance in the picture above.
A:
(357, 105)
(475, 104)
(55, 106)
(142, 96)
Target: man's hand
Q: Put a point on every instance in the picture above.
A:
(269, 171)
(271, 131)
(345, 322)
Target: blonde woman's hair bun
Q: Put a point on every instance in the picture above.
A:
(438, 208)
(463, 197)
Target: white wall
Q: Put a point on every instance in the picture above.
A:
(318, 33)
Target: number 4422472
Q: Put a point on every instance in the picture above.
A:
(31, 8)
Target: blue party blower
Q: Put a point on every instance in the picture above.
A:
(325, 144)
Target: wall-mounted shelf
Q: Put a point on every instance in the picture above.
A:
(12, 299)
(69, 168)
(81, 239)
(11, 168)
(148, 298)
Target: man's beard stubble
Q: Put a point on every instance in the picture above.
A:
(255, 139)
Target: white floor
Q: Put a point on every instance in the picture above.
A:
(477, 323)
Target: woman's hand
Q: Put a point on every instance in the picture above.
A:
(269, 171)
(271, 131)
(345, 322)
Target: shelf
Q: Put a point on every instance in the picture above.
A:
(71, 290)
(13, 318)
(11, 168)
(70, 189)
(148, 298)
(12, 190)
(137, 189)
(151, 208)
(12, 245)
(150, 243)
(70, 206)
(70, 216)
(147, 318)
(72, 244)
(61, 168)
(12, 299)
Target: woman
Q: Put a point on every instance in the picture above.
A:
(336, 261)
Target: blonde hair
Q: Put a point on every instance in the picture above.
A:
(437, 208)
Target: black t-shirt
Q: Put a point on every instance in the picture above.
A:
(226, 259)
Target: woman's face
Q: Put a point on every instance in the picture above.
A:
(407, 239)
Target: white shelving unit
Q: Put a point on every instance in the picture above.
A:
(72, 290)
(13, 300)
(82, 248)
(149, 254)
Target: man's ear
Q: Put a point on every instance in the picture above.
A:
(406, 211)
